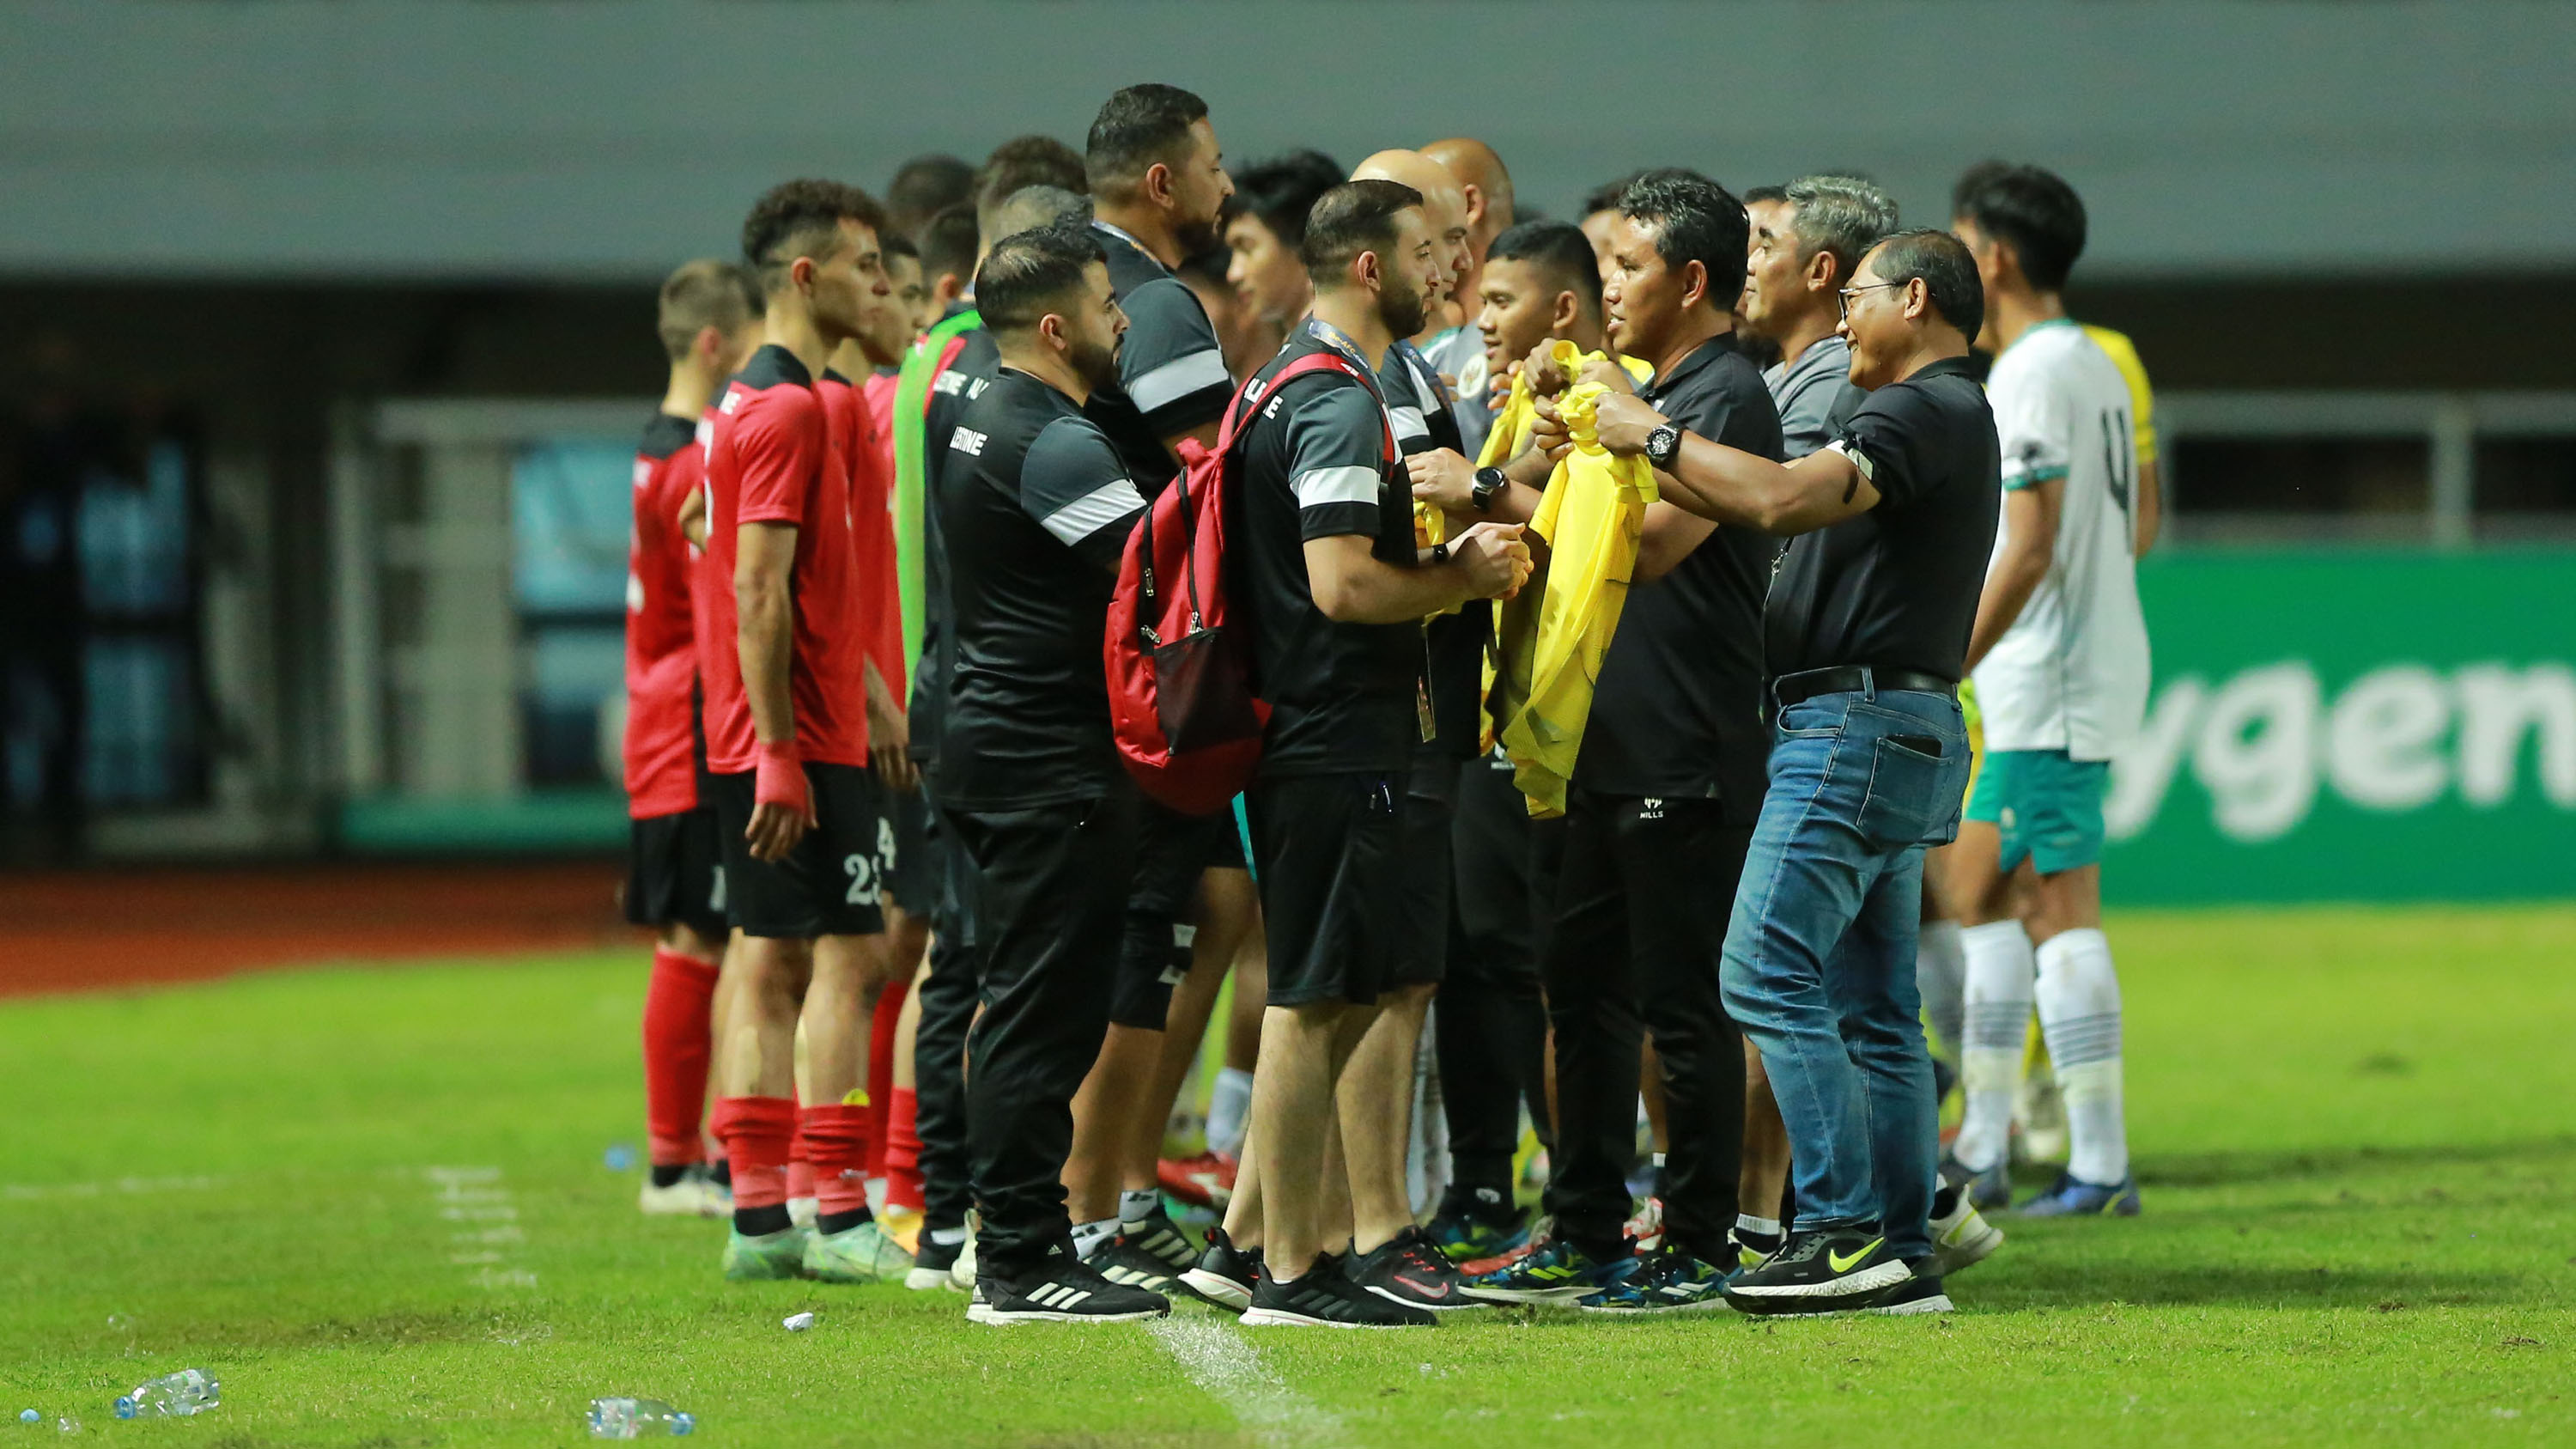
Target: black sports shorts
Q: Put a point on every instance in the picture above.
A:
(829, 884)
(675, 872)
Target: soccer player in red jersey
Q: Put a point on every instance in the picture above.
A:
(787, 722)
(707, 316)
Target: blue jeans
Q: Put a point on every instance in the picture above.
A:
(1819, 963)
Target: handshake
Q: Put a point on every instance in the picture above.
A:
(1494, 559)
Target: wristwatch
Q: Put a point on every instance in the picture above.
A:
(1439, 553)
(1490, 483)
(1662, 445)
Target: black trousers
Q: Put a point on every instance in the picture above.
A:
(1642, 900)
(1054, 882)
(948, 997)
(1492, 1014)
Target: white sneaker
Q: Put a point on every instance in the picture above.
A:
(695, 1195)
(961, 1274)
(1961, 1240)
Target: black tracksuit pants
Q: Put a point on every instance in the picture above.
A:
(1492, 1015)
(1642, 901)
(948, 997)
(1054, 881)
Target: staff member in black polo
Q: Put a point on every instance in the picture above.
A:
(1664, 794)
(1864, 635)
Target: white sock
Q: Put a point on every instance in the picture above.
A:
(1136, 1204)
(2079, 1013)
(1748, 1223)
(1997, 998)
(1228, 1107)
(1941, 976)
(1089, 1238)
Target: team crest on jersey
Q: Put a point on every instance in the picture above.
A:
(731, 400)
(969, 442)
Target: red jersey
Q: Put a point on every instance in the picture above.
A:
(661, 653)
(772, 457)
(866, 422)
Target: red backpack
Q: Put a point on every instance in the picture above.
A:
(1180, 678)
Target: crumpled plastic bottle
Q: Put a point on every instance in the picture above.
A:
(624, 1418)
(189, 1391)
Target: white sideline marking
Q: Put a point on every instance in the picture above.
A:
(31, 1191)
(475, 1195)
(1230, 1371)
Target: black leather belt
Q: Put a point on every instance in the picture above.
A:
(1791, 689)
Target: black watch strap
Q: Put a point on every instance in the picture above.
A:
(1490, 483)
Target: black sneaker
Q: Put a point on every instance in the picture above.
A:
(1123, 1263)
(1325, 1297)
(1225, 1274)
(1410, 1269)
(1161, 1237)
(1827, 1270)
(1068, 1291)
(931, 1262)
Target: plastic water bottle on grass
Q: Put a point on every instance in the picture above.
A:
(189, 1391)
(638, 1419)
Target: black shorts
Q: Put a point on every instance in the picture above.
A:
(828, 885)
(675, 873)
(906, 858)
(1332, 884)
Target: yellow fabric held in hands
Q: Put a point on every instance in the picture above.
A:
(1592, 516)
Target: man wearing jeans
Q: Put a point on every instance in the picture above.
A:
(1864, 634)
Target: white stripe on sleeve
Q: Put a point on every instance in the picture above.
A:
(1094, 511)
(1321, 487)
(1179, 378)
(1409, 423)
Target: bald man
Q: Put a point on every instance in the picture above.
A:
(1449, 340)
(1488, 189)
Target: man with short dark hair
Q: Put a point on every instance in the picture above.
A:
(922, 188)
(950, 246)
(1264, 227)
(1019, 163)
(787, 718)
(708, 316)
(1541, 282)
(1158, 188)
(2060, 660)
(1601, 211)
(1664, 793)
(1864, 634)
(1036, 515)
(1334, 590)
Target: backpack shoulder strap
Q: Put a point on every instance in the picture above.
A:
(1238, 415)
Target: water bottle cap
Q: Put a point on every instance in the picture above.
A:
(683, 1423)
(125, 1406)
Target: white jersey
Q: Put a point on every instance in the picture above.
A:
(2071, 673)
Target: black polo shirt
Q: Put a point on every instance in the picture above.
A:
(1426, 420)
(1171, 372)
(1342, 696)
(955, 389)
(1037, 506)
(1896, 587)
(1677, 712)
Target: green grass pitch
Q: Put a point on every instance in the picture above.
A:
(2356, 1131)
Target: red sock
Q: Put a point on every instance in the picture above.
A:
(756, 1132)
(800, 1168)
(678, 1002)
(881, 1072)
(903, 1151)
(835, 1139)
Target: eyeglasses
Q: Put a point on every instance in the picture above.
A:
(1847, 293)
